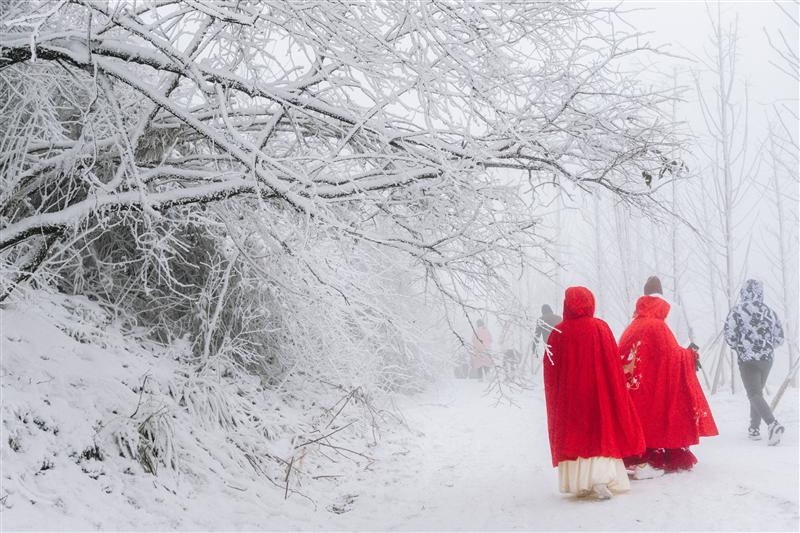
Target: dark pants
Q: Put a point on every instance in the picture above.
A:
(754, 376)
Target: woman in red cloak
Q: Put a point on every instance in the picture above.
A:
(663, 385)
(590, 416)
(481, 347)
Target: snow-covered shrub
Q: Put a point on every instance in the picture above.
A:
(148, 439)
(208, 402)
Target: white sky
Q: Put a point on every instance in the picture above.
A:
(683, 28)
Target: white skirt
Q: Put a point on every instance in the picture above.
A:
(583, 474)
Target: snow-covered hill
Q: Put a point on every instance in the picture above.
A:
(89, 412)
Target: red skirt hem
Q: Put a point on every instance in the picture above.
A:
(666, 459)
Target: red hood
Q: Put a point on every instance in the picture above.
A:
(651, 307)
(578, 302)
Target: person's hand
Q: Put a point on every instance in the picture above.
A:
(694, 348)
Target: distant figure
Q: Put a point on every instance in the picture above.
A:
(664, 387)
(545, 325)
(753, 331)
(591, 419)
(511, 361)
(481, 348)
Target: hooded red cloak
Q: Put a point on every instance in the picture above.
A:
(589, 411)
(662, 381)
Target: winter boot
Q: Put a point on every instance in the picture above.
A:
(646, 471)
(775, 433)
(754, 434)
(602, 491)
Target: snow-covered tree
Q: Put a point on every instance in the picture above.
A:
(380, 121)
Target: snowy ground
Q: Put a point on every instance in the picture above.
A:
(462, 464)
(484, 468)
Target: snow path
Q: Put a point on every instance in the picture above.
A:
(479, 467)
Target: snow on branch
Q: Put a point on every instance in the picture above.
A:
(408, 125)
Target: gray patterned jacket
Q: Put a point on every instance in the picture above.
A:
(752, 328)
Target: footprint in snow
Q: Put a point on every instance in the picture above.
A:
(344, 505)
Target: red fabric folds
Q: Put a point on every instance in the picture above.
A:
(662, 381)
(589, 412)
(667, 459)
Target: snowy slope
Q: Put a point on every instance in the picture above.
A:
(71, 390)
(462, 464)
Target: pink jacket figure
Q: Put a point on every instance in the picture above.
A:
(481, 346)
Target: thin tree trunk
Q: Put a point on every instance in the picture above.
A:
(622, 244)
(598, 251)
(789, 378)
(784, 258)
(557, 248)
(723, 101)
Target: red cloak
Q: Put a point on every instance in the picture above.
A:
(662, 381)
(589, 411)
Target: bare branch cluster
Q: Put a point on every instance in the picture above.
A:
(225, 168)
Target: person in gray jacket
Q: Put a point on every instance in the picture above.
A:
(753, 331)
